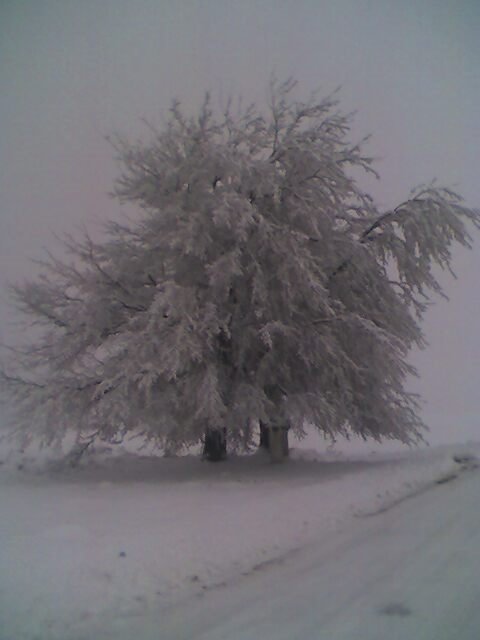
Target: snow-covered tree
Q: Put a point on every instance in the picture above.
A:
(259, 284)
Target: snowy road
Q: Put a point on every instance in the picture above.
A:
(410, 573)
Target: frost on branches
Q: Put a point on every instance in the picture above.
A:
(258, 284)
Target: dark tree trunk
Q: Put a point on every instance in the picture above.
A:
(264, 437)
(285, 441)
(215, 445)
(274, 440)
(279, 443)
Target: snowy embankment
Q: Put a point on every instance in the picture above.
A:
(124, 533)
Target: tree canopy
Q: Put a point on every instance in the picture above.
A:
(257, 282)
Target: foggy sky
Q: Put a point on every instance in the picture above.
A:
(72, 72)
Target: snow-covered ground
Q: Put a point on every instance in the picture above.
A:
(408, 573)
(126, 535)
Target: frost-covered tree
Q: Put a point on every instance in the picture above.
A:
(259, 283)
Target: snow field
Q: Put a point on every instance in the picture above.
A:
(126, 533)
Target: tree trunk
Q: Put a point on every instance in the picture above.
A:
(215, 445)
(278, 437)
(286, 448)
(264, 437)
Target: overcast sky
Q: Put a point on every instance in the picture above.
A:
(74, 71)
